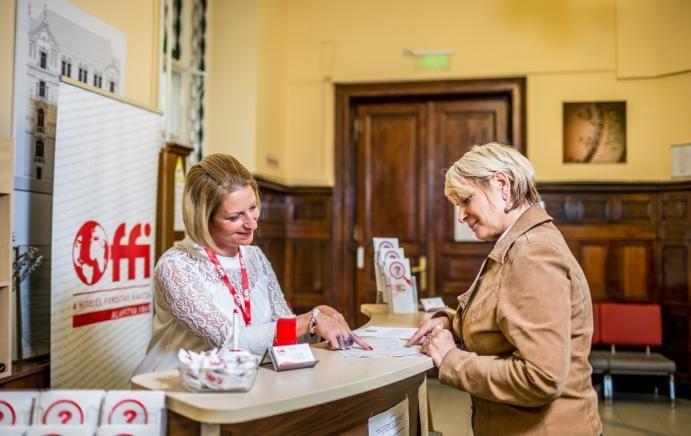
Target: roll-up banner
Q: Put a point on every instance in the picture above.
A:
(104, 211)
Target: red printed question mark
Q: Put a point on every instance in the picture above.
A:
(130, 411)
(131, 415)
(65, 415)
(8, 413)
(398, 270)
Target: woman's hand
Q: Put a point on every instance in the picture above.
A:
(331, 313)
(331, 326)
(426, 327)
(335, 330)
(436, 344)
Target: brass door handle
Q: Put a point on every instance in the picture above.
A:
(422, 270)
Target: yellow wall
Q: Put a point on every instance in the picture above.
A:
(231, 109)
(139, 21)
(270, 130)
(675, 114)
(569, 50)
(7, 12)
(654, 37)
(246, 84)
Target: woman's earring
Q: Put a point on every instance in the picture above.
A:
(507, 208)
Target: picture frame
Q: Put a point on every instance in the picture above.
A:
(680, 157)
(594, 132)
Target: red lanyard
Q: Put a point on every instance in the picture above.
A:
(246, 311)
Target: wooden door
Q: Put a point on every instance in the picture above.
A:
(391, 177)
(456, 126)
(393, 142)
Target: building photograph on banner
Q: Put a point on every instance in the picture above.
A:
(103, 238)
(53, 38)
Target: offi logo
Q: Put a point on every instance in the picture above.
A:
(91, 252)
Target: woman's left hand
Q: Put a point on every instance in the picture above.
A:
(332, 326)
(337, 333)
(436, 344)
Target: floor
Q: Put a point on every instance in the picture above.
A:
(629, 415)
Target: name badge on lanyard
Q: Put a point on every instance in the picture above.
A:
(246, 308)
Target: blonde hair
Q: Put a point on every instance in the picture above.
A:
(482, 162)
(206, 187)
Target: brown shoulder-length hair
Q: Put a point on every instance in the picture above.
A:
(206, 187)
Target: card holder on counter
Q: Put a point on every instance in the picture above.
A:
(287, 357)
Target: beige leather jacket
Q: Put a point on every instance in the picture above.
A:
(527, 324)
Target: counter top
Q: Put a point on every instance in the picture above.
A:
(333, 378)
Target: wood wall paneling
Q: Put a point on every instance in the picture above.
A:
(634, 268)
(294, 233)
(593, 257)
(675, 217)
(676, 327)
(675, 273)
(275, 250)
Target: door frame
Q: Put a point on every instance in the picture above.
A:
(347, 96)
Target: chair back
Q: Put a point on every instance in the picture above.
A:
(630, 324)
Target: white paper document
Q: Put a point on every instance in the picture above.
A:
(385, 332)
(392, 422)
(383, 347)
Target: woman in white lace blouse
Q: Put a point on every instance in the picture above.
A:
(214, 271)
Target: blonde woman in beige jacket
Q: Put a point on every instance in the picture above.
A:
(520, 338)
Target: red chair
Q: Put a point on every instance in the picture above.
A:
(634, 325)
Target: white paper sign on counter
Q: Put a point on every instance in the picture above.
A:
(392, 422)
(380, 244)
(402, 298)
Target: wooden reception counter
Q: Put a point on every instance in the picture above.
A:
(338, 395)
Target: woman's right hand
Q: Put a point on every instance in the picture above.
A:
(427, 326)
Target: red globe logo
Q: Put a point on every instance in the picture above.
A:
(90, 252)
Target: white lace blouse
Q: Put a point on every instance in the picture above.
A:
(193, 308)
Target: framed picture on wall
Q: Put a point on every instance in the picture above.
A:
(595, 132)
